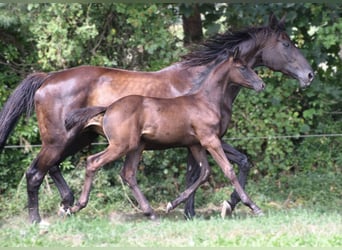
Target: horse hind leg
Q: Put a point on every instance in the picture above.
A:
(199, 154)
(128, 174)
(75, 144)
(34, 178)
(244, 167)
(46, 159)
(63, 189)
(192, 174)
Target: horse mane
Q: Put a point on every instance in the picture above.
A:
(211, 48)
(224, 55)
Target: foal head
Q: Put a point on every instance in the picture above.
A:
(239, 72)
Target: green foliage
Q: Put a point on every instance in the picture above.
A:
(61, 33)
(51, 37)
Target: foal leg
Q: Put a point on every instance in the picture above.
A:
(94, 162)
(193, 171)
(200, 155)
(214, 147)
(128, 174)
(75, 143)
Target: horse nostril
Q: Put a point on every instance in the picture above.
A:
(262, 86)
(311, 76)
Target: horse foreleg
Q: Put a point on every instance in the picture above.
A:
(214, 147)
(128, 174)
(244, 167)
(199, 154)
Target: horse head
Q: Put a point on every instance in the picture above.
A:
(281, 54)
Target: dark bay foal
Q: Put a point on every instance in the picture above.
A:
(196, 121)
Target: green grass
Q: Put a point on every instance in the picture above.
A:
(295, 227)
(301, 210)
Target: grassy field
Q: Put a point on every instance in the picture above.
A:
(295, 227)
(307, 215)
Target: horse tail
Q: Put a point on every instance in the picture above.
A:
(78, 118)
(20, 101)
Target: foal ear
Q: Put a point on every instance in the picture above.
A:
(236, 53)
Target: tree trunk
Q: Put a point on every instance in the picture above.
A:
(192, 26)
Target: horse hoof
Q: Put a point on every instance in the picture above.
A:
(151, 215)
(258, 212)
(154, 217)
(169, 207)
(44, 224)
(43, 227)
(63, 212)
(226, 209)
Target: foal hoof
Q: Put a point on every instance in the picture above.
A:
(169, 207)
(226, 209)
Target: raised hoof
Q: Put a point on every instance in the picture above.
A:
(169, 207)
(63, 212)
(258, 212)
(226, 209)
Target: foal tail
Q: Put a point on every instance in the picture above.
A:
(78, 118)
(20, 101)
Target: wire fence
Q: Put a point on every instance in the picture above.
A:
(273, 137)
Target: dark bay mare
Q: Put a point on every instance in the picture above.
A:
(56, 94)
(197, 121)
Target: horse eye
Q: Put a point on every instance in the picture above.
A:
(243, 68)
(286, 44)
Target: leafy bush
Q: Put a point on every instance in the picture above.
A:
(146, 37)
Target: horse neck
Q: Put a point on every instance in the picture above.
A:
(214, 88)
(251, 50)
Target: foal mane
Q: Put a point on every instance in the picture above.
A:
(210, 49)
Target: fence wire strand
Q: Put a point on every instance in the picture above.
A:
(273, 137)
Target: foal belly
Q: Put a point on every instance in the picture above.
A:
(167, 136)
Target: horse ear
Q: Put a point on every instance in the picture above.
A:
(281, 23)
(236, 53)
(273, 21)
(274, 24)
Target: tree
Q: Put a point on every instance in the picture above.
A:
(192, 24)
(50, 37)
